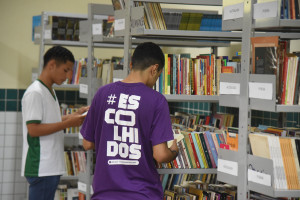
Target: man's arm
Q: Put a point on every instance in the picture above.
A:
(87, 145)
(161, 152)
(36, 130)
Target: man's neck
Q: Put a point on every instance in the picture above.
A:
(46, 80)
(135, 77)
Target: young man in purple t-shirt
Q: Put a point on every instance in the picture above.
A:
(129, 124)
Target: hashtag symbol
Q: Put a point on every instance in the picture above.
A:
(111, 99)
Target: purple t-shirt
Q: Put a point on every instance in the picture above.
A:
(124, 121)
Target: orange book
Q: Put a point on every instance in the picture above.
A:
(289, 163)
(232, 140)
(227, 69)
(81, 196)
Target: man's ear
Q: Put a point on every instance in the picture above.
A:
(130, 66)
(51, 64)
(154, 69)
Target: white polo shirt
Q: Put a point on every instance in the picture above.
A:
(44, 155)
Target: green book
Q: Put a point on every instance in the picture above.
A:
(184, 21)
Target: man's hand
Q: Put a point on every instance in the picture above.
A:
(83, 109)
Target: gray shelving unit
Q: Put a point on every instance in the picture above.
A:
(187, 171)
(92, 84)
(174, 37)
(242, 159)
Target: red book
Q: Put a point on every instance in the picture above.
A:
(175, 163)
(194, 151)
(224, 146)
(207, 120)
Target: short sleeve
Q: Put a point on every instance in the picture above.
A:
(88, 127)
(32, 108)
(161, 126)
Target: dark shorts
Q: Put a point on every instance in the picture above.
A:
(42, 188)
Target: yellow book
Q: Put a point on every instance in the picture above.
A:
(166, 74)
(201, 150)
(259, 145)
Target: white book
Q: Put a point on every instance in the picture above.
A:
(272, 148)
(280, 163)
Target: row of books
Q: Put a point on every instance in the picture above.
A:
(193, 76)
(200, 190)
(196, 121)
(192, 21)
(102, 69)
(75, 162)
(155, 18)
(65, 193)
(67, 110)
(290, 9)
(271, 56)
(285, 153)
(196, 150)
(171, 181)
(65, 28)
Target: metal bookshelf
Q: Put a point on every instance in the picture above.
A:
(71, 135)
(93, 11)
(250, 27)
(192, 98)
(187, 171)
(267, 24)
(68, 178)
(196, 37)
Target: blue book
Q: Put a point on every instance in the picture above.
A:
(197, 150)
(165, 181)
(174, 73)
(219, 141)
(36, 21)
(212, 147)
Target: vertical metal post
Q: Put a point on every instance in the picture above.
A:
(244, 108)
(42, 41)
(127, 36)
(90, 96)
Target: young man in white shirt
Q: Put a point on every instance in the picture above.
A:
(43, 139)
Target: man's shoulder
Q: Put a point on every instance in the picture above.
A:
(33, 88)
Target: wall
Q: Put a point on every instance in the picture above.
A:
(18, 54)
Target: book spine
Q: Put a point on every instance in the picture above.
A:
(205, 150)
(194, 151)
(209, 151)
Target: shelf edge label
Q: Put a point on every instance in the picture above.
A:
(48, 34)
(81, 186)
(265, 10)
(229, 88)
(119, 24)
(261, 90)
(257, 177)
(83, 88)
(233, 11)
(97, 29)
(228, 167)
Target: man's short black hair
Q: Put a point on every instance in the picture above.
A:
(147, 54)
(59, 54)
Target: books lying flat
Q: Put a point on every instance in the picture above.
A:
(285, 155)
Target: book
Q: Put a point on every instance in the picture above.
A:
(232, 138)
(264, 55)
(118, 4)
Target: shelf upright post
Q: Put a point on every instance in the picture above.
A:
(44, 19)
(90, 96)
(244, 105)
(127, 36)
